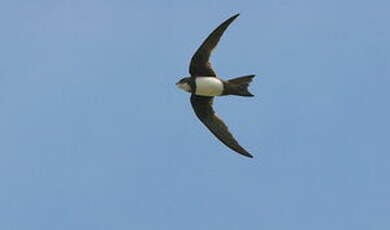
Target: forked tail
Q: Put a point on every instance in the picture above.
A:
(239, 86)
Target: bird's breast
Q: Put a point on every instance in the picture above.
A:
(208, 86)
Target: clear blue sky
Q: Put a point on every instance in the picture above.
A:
(95, 135)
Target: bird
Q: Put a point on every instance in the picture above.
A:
(204, 84)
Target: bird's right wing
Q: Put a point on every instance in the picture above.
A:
(200, 65)
(203, 107)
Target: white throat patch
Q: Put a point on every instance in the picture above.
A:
(208, 86)
(184, 86)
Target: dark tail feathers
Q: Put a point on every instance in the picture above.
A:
(239, 86)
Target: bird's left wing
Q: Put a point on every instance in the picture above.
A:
(203, 107)
(200, 64)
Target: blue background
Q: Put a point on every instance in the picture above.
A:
(95, 135)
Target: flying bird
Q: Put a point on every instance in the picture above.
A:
(204, 85)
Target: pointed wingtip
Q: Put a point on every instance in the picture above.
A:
(249, 155)
(245, 153)
(236, 15)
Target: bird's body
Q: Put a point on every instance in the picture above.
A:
(208, 86)
(213, 86)
(204, 85)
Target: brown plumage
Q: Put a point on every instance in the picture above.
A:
(238, 86)
(200, 66)
(203, 107)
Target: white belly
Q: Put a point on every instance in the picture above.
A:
(208, 86)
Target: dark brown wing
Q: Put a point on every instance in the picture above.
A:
(200, 65)
(203, 107)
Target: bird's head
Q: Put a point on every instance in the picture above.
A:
(184, 84)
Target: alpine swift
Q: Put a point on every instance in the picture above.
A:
(204, 85)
